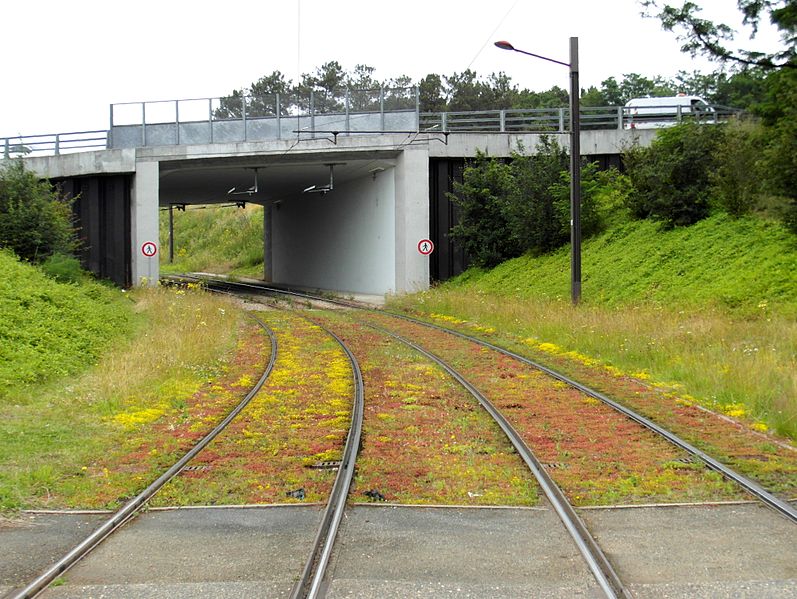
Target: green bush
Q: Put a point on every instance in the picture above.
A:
(535, 209)
(671, 178)
(34, 221)
(64, 269)
(510, 208)
(49, 329)
(482, 197)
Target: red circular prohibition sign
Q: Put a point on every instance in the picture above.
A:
(149, 248)
(425, 246)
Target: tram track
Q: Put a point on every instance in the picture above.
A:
(309, 582)
(780, 506)
(134, 505)
(597, 562)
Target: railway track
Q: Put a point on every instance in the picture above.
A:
(309, 581)
(600, 567)
(780, 506)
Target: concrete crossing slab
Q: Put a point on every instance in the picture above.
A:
(457, 552)
(403, 552)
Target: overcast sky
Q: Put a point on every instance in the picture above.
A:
(65, 62)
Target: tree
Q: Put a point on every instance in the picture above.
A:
(432, 93)
(263, 95)
(702, 36)
(510, 208)
(634, 85)
(327, 88)
(483, 227)
(671, 178)
(532, 207)
(736, 182)
(35, 221)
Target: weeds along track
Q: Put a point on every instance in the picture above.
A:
(680, 475)
(309, 579)
(132, 507)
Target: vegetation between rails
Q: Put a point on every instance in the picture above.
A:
(596, 455)
(299, 419)
(425, 439)
(690, 308)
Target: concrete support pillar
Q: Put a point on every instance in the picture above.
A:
(412, 219)
(268, 254)
(144, 224)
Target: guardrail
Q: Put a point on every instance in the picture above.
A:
(54, 143)
(238, 118)
(556, 120)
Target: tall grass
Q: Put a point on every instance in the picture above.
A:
(49, 433)
(215, 239)
(709, 308)
(721, 361)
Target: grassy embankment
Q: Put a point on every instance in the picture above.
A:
(228, 240)
(707, 311)
(81, 362)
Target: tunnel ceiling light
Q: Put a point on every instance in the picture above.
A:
(250, 192)
(324, 189)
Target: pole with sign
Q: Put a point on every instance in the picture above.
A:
(149, 249)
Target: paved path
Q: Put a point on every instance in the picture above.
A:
(404, 552)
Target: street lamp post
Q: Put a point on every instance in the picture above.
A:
(575, 163)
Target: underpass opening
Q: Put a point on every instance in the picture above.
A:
(328, 223)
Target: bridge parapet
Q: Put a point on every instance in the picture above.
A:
(238, 118)
(244, 118)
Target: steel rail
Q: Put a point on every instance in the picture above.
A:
(315, 568)
(598, 563)
(780, 506)
(309, 584)
(129, 510)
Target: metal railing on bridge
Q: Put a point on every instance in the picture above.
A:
(242, 118)
(54, 143)
(556, 120)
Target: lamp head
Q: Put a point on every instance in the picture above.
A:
(504, 45)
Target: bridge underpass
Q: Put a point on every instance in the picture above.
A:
(340, 235)
(388, 192)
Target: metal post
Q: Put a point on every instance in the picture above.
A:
(210, 118)
(279, 110)
(620, 117)
(348, 121)
(243, 112)
(382, 108)
(177, 120)
(417, 108)
(575, 177)
(561, 120)
(57, 144)
(502, 120)
(6, 150)
(171, 233)
(143, 124)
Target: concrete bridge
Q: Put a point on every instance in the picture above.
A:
(347, 197)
